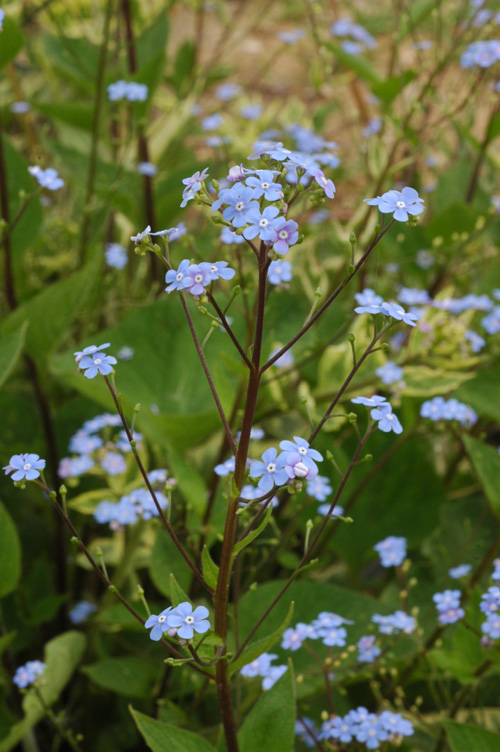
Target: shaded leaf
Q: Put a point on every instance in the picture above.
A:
(270, 725)
(10, 553)
(11, 41)
(486, 463)
(11, 348)
(209, 568)
(131, 676)
(262, 646)
(253, 534)
(160, 737)
(358, 64)
(464, 738)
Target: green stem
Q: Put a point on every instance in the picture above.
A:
(64, 733)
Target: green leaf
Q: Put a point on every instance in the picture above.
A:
(153, 40)
(74, 59)
(51, 312)
(254, 533)
(209, 568)
(483, 393)
(166, 560)
(262, 646)
(131, 676)
(78, 114)
(421, 381)
(160, 737)
(10, 553)
(11, 41)
(62, 656)
(270, 725)
(494, 127)
(390, 89)
(486, 463)
(177, 594)
(471, 738)
(183, 68)
(11, 348)
(190, 482)
(360, 65)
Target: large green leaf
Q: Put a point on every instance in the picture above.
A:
(161, 737)
(464, 738)
(262, 646)
(166, 560)
(11, 41)
(11, 348)
(486, 462)
(483, 393)
(153, 40)
(74, 59)
(62, 656)
(10, 553)
(131, 676)
(270, 725)
(51, 312)
(79, 114)
(414, 15)
(421, 381)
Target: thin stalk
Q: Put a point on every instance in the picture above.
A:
(67, 735)
(9, 287)
(228, 329)
(328, 302)
(166, 524)
(96, 127)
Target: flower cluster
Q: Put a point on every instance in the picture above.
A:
(296, 461)
(389, 373)
(130, 90)
(92, 451)
(81, 612)
(401, 204)
(116, 255)
(392, 551)
(29, 673)
(397, 622)
(91, 360)
(24, 466)
(180, 621)
(448, 606)
(194, 278)
(367, 650)
(261, 666)
(327, 627)
(391, 310)
(367, 728)
(48, 178)
(482, 54)
(381, 412)
(440, 409)
(360, 38)
(129, 509)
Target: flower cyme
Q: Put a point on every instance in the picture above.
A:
(25, 466)
(301, 446)
(270, 470)
(29, 673)
(90, 350)
(279, 272)
(176, 279)
(196, 277)
(392, 551)
(374, 401)
(48, 178)
(368, 297)
(81, 611)
(397, 312)
(400, 204)
(240, 200)
(116, 255)
(389, 373)
(319, 488)
(144, 235)
(187, 621)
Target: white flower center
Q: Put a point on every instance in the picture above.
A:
(27, 466)
(213, 268)
(283, 234)
(198, 278)
(300, 470)
(324, 180)
(263, 222)
(400, 204)
(189, 619)
(302, 450)
(277, 269)
(271, 468)
(179, 276)
(98, 361)
(264, 185)
(161, 619)
(240, 206)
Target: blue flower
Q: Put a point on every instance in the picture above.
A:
(125, 353)
(263, 185)
(291, 37)
(226, 92)
(26, 675)
(89, 351)
(274, 673)
(195, 278)
(147, 168)
(72, 467)
(193, 185)
(319, 488)
(450, 615)
(447, 599)
(159, 624)
(476, 341)
(285, 235)
(251, 111)
(394, 623)
(81, 612)
(176, 279)
(274, 149)
(262, 224)
(374, 401)
(392, 551)
(301, 446)
(24, 466)
(334, 637)
(389, 373)
(116, 255)
(144, 235)
(368, 651)
(397, 312)
(225, 468)
(400, 204)
(187, 621)
(481, 54)
(228, 237)
(240, 200)
(84, 443)
(212, 122)
(271, 470)
(325, 183)
(98, 363)
(48, 178)
(136, 92)
(113, 463)
(258, 667)
(279, 272)
(386, 420)
(2, 16)
(491, 626)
